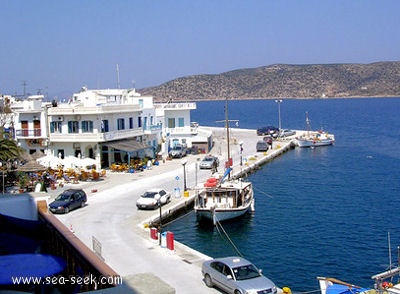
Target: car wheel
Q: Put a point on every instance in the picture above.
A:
(66, 210)
(208, 281)
(237, 292)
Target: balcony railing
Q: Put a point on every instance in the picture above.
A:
(96, 137)
(28, 133)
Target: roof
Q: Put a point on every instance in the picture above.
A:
(233, 261)
(128, 145)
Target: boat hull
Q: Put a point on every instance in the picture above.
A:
(219, 215)
(313, 143)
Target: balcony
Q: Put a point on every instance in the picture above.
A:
(26, 133)
(96, 137)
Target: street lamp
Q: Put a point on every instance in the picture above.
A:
(241, 152)
(183, 162)
(279, 101)
(2, 172)
(158, 199)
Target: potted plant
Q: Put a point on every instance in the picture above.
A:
(23, 181)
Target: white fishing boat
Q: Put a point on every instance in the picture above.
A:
(224, 199)
(314, 139)
(221, 201)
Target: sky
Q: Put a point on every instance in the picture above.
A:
(57, 47)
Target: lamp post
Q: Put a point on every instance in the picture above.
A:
(279, 101)
(2, 173)
(241, 152)
(183, 162)
(158, 199)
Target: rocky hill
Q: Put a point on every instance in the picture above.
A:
(379, 79)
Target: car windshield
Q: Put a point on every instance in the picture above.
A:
(63, 197)
(208, 159)
(149, 194)
(246, 272)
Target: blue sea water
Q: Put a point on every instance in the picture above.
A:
(319, 212)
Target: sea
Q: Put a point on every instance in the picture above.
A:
(330, 211)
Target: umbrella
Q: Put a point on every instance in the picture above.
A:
(50, 161)
(32, 166)
(37, 154)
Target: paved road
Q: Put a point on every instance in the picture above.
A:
(112, 218)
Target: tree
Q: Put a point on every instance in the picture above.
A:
(9, 150)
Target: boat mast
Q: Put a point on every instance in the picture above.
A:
(227, 129)
(308, 124)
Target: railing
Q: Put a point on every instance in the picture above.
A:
(95, 137)
(28, 133)
(81, 261)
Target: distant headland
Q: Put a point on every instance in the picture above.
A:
(309, 81)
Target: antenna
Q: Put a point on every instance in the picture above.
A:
(24, 85)
(118, 86)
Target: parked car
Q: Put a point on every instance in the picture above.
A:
(261, 146)
(236, 275)
(287, 133)
(151, 198)
(178, 151)
(68, 200)
(269, 130)
(268, 140)
(209, 162)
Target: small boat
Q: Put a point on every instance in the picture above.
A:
(221, 201)
(314, 139)
(224, 199)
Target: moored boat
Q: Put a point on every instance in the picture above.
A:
(384, 282)
(221, 199)
(317, 139)
(314, 139)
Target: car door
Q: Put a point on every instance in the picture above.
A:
(163, 198)
(220, 277)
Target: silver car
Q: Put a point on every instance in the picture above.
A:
(236, 275)
(209, 162)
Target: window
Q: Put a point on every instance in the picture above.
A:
(171, 123)
(55, 127)
(73, 127)
(131, 122)
(104, 126)
(120, 124)
(87, 126)
(139, 122)
(181, 122)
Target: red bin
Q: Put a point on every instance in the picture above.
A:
(170, 240)
(153, 233)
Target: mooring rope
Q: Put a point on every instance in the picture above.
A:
(218, 225)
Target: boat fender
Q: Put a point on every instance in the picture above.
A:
(286, 290)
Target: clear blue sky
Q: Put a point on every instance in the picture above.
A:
(60, 46)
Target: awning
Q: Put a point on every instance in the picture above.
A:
(129, 145)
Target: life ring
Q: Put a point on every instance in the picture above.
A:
(210, 184)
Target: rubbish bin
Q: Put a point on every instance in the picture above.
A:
(170, 240)
(177, 193)
(154, 233)
(164, 239)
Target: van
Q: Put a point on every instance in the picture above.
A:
(179, 151)
(261, 146)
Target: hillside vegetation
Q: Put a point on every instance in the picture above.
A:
(379, 79)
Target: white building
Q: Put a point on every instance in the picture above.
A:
(108, 125)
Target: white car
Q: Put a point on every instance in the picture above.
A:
(287, 133)
(152, 198)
